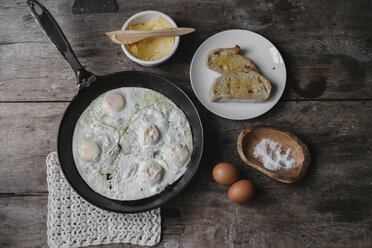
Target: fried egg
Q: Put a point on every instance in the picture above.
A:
(114, 101)
(89, 150)
(131, 143)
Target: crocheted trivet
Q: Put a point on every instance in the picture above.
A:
(73, 222)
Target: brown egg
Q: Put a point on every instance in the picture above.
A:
(225, 173)
(241, 191)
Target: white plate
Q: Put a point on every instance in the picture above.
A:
(256, 48)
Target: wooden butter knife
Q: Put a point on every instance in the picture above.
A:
(126, 37)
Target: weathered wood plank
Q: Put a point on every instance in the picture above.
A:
(281, 223)
(326, 45)
(28, 133)
(23, 221)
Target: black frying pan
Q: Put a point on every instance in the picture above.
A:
(89, 87)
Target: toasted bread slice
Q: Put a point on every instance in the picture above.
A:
(226, 60)
(241, 86)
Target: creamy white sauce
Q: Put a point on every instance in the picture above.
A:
(118, 171)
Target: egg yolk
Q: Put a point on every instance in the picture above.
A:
(114, 101)
(178, 153)
(89, 151)
(149, 135)
(151, 173)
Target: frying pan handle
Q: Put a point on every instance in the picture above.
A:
(55, 34)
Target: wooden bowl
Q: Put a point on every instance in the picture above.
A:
(251, 136)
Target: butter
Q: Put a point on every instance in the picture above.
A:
(152, 48)
(230, 62)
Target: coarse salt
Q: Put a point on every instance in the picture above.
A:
(270, 154)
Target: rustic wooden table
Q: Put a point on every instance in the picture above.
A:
(327, 47)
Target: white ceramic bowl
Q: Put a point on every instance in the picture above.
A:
(143, 17)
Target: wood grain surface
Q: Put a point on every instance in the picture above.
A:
(327, 48)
